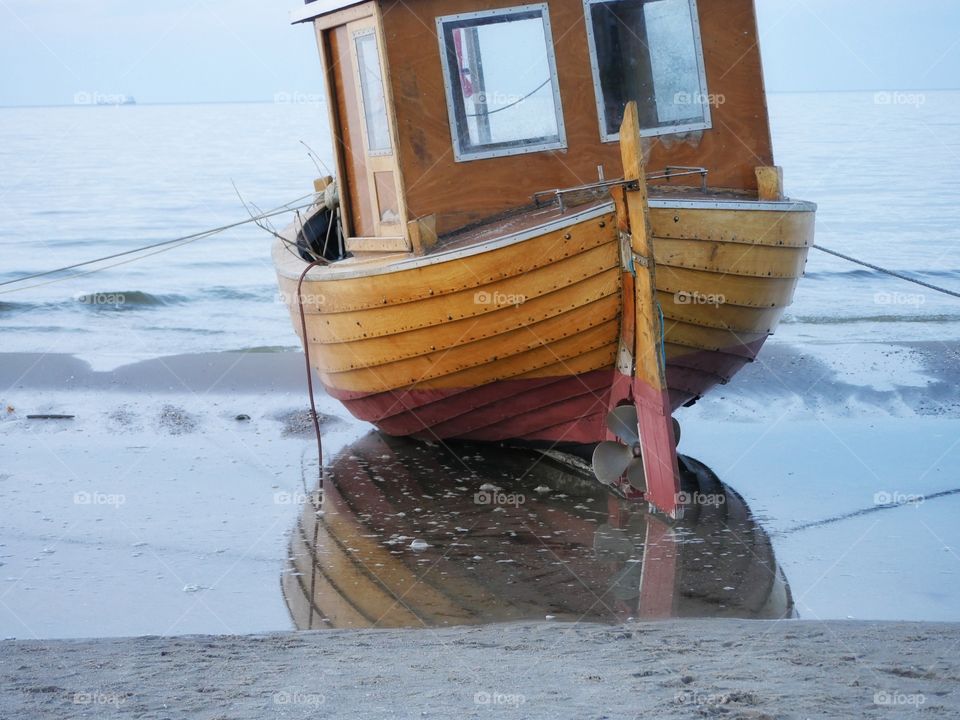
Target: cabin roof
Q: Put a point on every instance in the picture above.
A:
(315, 8)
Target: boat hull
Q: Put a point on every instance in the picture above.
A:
(517, 337)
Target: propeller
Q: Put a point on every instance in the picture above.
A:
(613, 460)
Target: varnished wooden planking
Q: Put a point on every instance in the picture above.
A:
(401, 369)
(738, 142)
(540, 294)
(752, 227)
(434, 326)
(704, 338)
(731, 258)
(710, 287)
(500, 327)
(475, 271)
(596, 358)
(429, 372)
(724, 316)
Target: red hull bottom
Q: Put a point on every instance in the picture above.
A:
(569, 409)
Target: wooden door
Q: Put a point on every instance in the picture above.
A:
(370, 187)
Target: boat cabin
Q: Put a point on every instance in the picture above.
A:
(448, 113)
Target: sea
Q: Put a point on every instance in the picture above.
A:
(84, 182)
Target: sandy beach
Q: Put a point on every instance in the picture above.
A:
(733, 669)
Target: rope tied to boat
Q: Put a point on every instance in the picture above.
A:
(157, 247)
(887, 271)
(306, 357)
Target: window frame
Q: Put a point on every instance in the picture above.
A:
(707, 122)
(357, 35)
(462, 154)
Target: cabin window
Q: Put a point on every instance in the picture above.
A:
(648, 51)
(371, 91)
(501, 81)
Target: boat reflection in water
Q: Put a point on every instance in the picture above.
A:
(516, 535)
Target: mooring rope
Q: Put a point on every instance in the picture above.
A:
(306, 357)
(892, 273)
(163, 246)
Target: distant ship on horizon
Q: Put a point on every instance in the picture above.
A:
(98, 98)
(116, 100)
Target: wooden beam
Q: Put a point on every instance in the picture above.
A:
(769, 182)
(422, 233)
(649, 384)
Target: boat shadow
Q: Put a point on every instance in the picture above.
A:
(416, 535)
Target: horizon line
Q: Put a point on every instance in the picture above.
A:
(275, 102)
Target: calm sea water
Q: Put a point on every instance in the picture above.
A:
(82, 182)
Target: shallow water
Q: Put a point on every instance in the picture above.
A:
(83, 182)
(410, 535)
(179, 499)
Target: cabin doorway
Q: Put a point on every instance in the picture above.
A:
(369, 190)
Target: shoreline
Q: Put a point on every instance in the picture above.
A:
(670, 669)
(901, 379)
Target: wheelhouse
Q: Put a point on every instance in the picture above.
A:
(449, 113)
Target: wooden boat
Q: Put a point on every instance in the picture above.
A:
(472, 273)
(553, 543)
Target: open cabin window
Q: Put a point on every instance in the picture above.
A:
(648, 51)
(501, 82)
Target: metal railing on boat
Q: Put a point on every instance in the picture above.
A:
(595, 190)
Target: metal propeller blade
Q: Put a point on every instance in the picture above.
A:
(614, 460)
(636, 474)
(610, 461)
(622, 422)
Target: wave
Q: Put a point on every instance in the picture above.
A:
(14, 307)
(222, 292)
(874, 274)
(127, 299)
(850, 319)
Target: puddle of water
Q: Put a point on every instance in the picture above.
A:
(411, 535)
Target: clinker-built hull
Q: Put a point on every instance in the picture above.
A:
(516, 338)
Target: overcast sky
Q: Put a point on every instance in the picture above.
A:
(222, 50)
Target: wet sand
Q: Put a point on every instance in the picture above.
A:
(695, 668)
